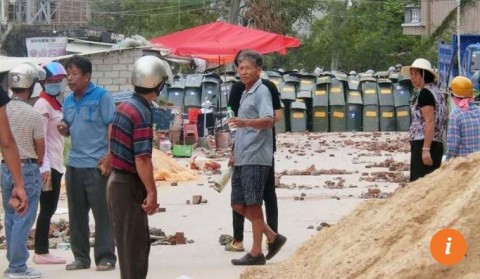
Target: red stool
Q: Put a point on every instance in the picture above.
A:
(190, 134)
(193, 115)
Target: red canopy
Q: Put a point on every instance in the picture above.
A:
(219, 41)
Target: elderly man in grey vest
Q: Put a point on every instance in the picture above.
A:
(252, 157)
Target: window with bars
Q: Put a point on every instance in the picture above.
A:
(412, 14)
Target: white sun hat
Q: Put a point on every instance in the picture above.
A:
(419, 63)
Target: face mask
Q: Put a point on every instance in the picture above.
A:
(53, 89)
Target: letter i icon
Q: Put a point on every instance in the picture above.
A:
(446, 251)
(448, 244)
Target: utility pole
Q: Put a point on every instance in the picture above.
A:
(460, 70)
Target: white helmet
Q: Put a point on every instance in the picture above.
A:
(149, 71)
(25, 75)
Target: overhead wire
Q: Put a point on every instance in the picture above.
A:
(142, 12)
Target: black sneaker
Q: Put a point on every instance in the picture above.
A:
(248, 259)
(275, 246)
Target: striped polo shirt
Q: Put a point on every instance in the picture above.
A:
(132, 133)
(26, 125)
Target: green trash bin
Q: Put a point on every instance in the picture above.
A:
(387, 119)
(320, 119)
(276, 78)
(338, 119)
(320, 107)
(164, 92)
(211, 89)
(354, 110)
(401, 97)
(320, 96)
(192, 97)
(307, 85)
(176, 93)
(280, 126)
(298, 117)
(228, 76)
(288, 91)
(288, 94)
(387, 111)
(402, 115)
(371, 118)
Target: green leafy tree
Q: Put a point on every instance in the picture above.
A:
(360, 35)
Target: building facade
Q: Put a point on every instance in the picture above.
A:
(426, 16)
(55, 13)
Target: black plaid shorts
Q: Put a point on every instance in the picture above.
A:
(248, 182)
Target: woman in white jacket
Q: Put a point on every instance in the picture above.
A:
(53, 167)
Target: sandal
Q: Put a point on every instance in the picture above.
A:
(231, 248)
(105, 267)
(76, 265)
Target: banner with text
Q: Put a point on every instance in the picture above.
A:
(47, 46)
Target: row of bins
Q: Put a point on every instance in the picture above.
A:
(328, 104)
(191, 91)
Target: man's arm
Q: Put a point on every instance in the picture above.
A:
(39, 149)
(453, 137)
(12, 159)
(144, 167)
(259, 123)
(105, 163)
(278, 115)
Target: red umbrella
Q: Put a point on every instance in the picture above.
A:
(220, 41)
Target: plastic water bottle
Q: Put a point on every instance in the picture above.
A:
(164, 145)
(230, 114)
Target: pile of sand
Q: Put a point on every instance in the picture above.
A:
(166, 168)
(391, 238)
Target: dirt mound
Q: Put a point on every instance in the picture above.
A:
(391, 238)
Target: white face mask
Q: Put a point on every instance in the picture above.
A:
(53, 89)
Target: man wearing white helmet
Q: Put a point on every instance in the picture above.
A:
(27, 129)
(131, 191)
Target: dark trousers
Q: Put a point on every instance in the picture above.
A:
(271, 208)
(417, 168)
(125, 195)
(87, 189)
(48, 205)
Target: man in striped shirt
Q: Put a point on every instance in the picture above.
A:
(131, 192)
(10, 154)
(27, 129)
(463, 135)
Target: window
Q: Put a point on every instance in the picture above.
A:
(412, 14)
(475, 61)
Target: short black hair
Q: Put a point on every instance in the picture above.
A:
(427, 76)
(81, 62)
(143, 90)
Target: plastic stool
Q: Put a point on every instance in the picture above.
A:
(190, 132)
